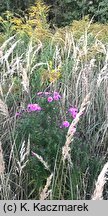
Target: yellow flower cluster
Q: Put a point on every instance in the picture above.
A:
(34, 23)
(52, 74)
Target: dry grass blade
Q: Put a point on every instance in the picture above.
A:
(71, 130)
(37, 65)
(45, 192)
(2, 166)
(3, 109)
(41, 160)
(24, 152)
(25, 80)
(6, 42)
(98, 192)
(1, 91)
(8, 53)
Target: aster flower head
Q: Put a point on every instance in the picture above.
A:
(73, 111)
(39, 93)
(17, 114)
(33, 107)
(47, 93)
(56, 96)
(38, 108)
(56, 93)
(50, 99)
(65, 124)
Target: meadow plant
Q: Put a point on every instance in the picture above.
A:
(53, 113)
(43, 119)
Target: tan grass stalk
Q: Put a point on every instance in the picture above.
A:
(3, 108)
(6, 42)
(2, 164)
(24, 152)
(71, 131)
(38, 65)
(1, 91)
(45, 192)
(25, 80)
(9, 90)
(1, 53)
(10, 50)
(41, 160)
(99, 186)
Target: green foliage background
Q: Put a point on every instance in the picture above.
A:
(63, 12)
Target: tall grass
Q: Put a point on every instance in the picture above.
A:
(25, 69)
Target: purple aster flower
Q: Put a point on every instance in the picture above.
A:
(56, 93)
(17, 114)
(73, 111)
(56, 96)
(65, 124)
(33, 107)
(47, 93)
(38, 108)
(39, 93)
(50, 99)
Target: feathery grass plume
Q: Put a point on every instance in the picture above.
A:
(69, 137)
(1, 91)
(103, 73)
(99, 186)
(41, 160)
(10, 50)
(5, 188)
(24, 152)
(45, 192)
(6, 42)
(38, 65)
(4, 109)
(1, 53)
(2, 166)
(9, 90)
(25, 80)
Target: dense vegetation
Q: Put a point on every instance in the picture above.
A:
(62, 12)
(53, 99)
